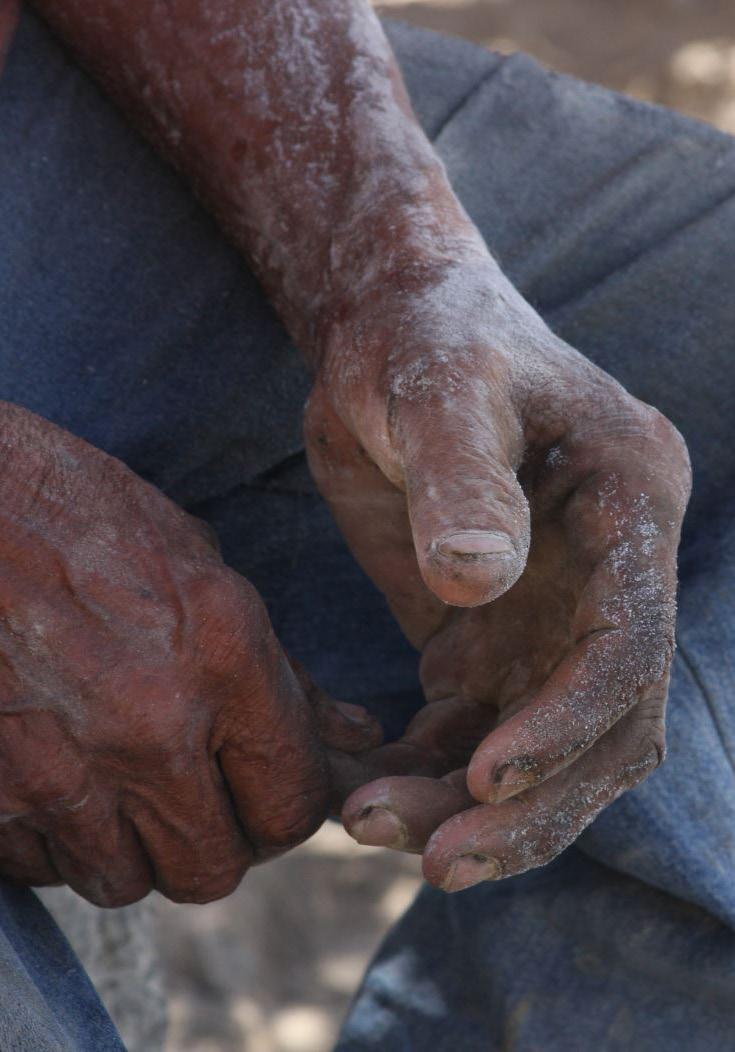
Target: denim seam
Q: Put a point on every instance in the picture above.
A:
(700, 684)
(468, 96)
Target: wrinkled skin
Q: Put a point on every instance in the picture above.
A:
(152, 731)
(521, 512)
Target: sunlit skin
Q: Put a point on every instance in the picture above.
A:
(520, 511)
(154, 734)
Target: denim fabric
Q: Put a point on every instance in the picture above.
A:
(617, 221)
(125, 317)
(47, 1003)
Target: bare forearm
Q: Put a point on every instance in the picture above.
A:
(292, 122)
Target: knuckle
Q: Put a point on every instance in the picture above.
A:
(653, 752)
(671, 436)
(294, 822)
(110, 896)
(206, 532)
(650, 754)
(30, 787)
(654, 639)
(659, 753)
(227, 596)
(201, 889)
(670, 441)
(663, 644)
(649, 745)
(236, 624)
(59, 791)
(650, 419)
(676, 454)
(283, 838)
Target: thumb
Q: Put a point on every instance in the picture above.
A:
(341, 725)
(469, 517)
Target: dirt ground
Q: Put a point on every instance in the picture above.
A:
(272, 968)
(677, 52)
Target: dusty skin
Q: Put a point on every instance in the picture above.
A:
(520, 511)
(178, 746)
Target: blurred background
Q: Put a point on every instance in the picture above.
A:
(677, 52)
(272, 968)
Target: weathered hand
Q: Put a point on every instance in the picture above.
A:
(521, 512)
(152, 731)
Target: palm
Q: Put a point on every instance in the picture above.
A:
(553, 692)
(502, 653)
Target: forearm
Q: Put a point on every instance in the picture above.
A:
(293, 124)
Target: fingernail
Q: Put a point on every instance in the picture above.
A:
(475, 544)
(469, 870)
(509, 781)
(378, 827)
(354, 713)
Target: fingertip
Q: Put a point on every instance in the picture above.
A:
(369, 796)
(360, 721)
(456, 857)
(378, 827)
(460, 573)
(467, 871)
(491, 782)
(437, 859)
(402, 812)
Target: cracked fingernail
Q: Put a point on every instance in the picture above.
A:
(475, 544)
(510, 781)
(469, 870)
(354, 713)
(378, 827)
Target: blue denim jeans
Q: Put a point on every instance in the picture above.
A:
(126, 318)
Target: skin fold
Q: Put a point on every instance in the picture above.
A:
(520, 511)
(154, 734)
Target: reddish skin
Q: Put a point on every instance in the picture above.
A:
(569, 665)
(154, 734)
(518, 508)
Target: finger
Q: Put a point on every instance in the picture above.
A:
(358, 492)
(587, 693)
(350, 773)
(449, 730)
(402, 813)
(270, 754)
(96, 851)
(264, 733)
(191, 836)
(24, 858)
(625, 623)
(341, 725)
(206, 531)
(470, 520)
(438, 740)
(497, 840)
